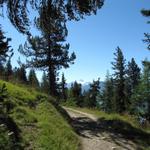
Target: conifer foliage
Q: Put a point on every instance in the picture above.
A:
(63, 87)
(48, 51)
(108, 94)
(22, 74)
(132, 80)
(45, 83)
(141, 96)
(76, 93)
(8, 70)
(5, 49)
(18, 11)
(146, 13)
(32, 79)
(119, 77)
(94, 93)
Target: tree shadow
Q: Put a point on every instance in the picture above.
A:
(84, 125)
(123, 130)
(119, 132)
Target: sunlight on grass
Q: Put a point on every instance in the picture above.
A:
(41, 125)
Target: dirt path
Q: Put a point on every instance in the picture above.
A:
(93, 136)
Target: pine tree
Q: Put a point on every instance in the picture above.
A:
(15, 76)
(146, 13)
(76, 93)
(119, 76)
(22, 74)
(141, 96)
(146, 83)
(18, 11)
(4, 48)
(32, 79)
(94, 92)
(45, 83)
(108, 94)
(63, 88)
(132, 80)
(8, 70)
(48, 52)
(133, 72)
(2, 71)
(76, 89)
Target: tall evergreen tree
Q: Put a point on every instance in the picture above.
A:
(63, 88)
(94, 92)
(5, 49)
(76, 93)
(141, 96)
(45, 83)
(18, 11)
(48, 52)
(119, 76)
(108, 94)
(8, 70)
(2, 71)
(15, 77)
(32, 79)
(133, 73)
(146, 13)
(22, 74)
(146, 82)
(132, 79)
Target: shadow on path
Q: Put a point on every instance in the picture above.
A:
(119, 132)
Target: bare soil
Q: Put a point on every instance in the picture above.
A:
(95, 136)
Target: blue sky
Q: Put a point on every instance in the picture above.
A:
(94, 39)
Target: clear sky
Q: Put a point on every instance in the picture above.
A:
(94, 39)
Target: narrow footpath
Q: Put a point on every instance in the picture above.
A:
(93, 135)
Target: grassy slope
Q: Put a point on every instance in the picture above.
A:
(42, 126)
(124, 125)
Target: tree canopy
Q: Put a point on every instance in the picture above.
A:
(119, 77)
(4, 47)
(19, 10)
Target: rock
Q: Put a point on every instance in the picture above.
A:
(10, 133)
(103, 138)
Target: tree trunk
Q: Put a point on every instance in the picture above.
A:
(52, 81)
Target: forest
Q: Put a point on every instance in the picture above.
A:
(24, 98)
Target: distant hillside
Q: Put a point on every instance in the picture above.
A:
(37, 123)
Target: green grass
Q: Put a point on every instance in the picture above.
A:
(41, 125)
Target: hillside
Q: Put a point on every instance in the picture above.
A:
(34, 123)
